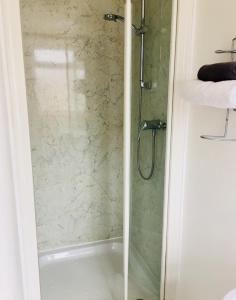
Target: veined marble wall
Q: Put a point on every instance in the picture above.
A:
(148, 196)
(74, 73)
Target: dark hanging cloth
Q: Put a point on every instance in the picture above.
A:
(218, 72)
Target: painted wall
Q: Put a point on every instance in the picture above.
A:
(208, 264)
(148, 196)
(74, 73)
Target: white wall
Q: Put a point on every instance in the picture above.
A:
(208, 257)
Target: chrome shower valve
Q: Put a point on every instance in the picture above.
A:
(146, 85)
(152, 125)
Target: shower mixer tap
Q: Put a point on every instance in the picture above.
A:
(152, 125)
(146, 84)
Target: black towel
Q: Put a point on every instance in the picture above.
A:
(218, 72)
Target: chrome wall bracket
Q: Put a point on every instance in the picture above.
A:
(224, 137)
(232, 51)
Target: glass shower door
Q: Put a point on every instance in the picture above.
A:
(149, 115)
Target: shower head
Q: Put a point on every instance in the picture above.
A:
(113, 17)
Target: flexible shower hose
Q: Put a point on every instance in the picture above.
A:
(149, 176)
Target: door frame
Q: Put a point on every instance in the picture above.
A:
(20, 216)
(19, 245)
(127, 141)
(182, 44)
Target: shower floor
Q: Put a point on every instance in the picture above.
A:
(91, 272)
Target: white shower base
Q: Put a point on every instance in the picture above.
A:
(90, 272)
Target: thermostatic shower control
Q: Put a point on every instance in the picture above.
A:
(146, 85)
(152, 125)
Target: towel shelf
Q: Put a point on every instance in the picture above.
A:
(224, 137)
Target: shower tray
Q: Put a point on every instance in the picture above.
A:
(89, 272)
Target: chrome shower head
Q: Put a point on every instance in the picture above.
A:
(113, 17)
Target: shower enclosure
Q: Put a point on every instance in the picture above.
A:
(74, 70)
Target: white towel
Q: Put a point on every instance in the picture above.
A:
(231, 295)
(217, 94)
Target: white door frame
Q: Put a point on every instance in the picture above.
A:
(17, 215)
(182, 53)
(19, 274)
(127, 141)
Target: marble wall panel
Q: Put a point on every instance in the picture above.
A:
(74, 73)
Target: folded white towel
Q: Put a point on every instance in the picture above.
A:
(231, 295)
(217, 94)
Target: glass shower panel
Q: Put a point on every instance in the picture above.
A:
(149, 103)
(74, 78)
